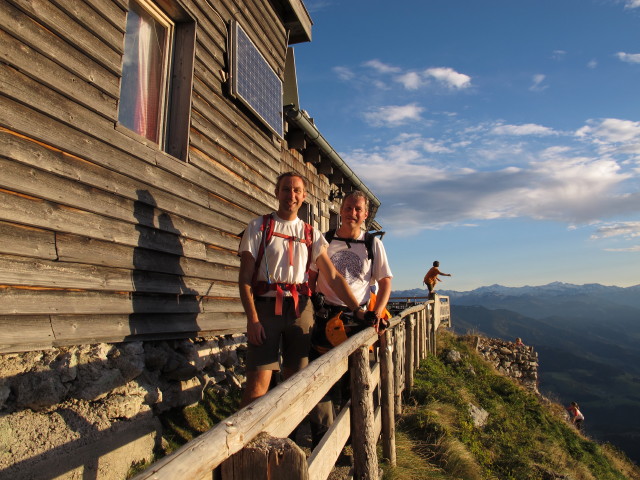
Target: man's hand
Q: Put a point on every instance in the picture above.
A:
(255, 333)
(382, 326)
(370, 318)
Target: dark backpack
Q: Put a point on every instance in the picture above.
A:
(368, 241)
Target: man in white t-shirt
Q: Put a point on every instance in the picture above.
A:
(362, 260)
(275, 254)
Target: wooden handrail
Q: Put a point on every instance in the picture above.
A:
(284, 407)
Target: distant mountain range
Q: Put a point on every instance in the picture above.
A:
(539, 301)
(588, 338)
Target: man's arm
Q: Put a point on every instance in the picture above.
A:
(313, 280)
(255, 332)
(382, 297)
(336, 281)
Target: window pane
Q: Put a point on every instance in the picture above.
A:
(143, 84)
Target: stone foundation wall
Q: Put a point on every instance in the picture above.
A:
(518, 362)
(90, 411)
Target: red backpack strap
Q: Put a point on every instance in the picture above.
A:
(267, 232)
(308, 237)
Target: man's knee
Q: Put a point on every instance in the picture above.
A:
(257, 385)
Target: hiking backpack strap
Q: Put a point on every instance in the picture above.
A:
(267, 233)
(308, 236)
(368, 241)
(261, 287)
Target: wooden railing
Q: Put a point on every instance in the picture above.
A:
(384, 373)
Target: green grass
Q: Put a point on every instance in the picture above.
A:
(180, 425)
(524, 438)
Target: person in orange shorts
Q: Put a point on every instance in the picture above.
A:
(431, 278)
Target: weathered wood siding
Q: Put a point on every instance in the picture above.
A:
(104, 237)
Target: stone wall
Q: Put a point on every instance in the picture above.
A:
(518, 362)
(91, 411)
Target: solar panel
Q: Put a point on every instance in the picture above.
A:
(254, 82)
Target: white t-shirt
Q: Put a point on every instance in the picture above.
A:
(276, 255)
(354, 265)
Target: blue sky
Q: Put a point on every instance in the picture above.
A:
(502, 137)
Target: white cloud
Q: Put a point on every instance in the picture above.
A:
(632, 3)
(381, 67)
(625, 229)
(393, 115)
(410, 80)
(593, 63)
(445, 76)
(558, 54)
(449, 77)
(432, 146)
(344, 73)
(526, 129)
(611, 130)
(629, 57)
(537, 86)
(437, 188)
(634, 248)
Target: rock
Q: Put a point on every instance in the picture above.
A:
(130, 362)
(5, 391)
(120, 406)
(184, 393)
(229, 358)
(234, 380)
(479, 416)
(97, 383)
(155, 356)
(453, 356)
(39, 390)
(182, 372)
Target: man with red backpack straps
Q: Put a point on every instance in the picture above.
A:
(275, 254)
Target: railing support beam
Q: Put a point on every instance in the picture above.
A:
(388, 417)
(365, 456)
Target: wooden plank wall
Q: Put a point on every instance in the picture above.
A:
(102, 236)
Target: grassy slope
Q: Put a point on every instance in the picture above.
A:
(523, 438)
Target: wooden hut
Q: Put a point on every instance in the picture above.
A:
(137, 139)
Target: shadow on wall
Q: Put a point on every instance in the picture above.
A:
(95, 458)
(44, 436)
(163, 305)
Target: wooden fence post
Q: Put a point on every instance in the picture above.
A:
(408, 352)
(398, 364)
(433, 338)
(433, 333)
(416, 340)
(387, 404)
(427, 318)
(265, 458)
(363, 441)
(423, 337)
(418, 334)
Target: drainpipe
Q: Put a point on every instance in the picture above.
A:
(303, 122)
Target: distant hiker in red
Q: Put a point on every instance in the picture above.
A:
(276, 252)
(576, 415)
(519, 342)
(431, 278)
